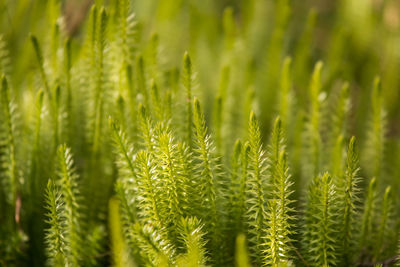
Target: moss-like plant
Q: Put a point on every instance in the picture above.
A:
(231, 135)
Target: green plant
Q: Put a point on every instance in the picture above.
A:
(220, 148)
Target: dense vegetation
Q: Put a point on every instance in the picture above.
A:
(199, 133)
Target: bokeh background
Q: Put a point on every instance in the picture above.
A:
(237, 48)
(356, 39)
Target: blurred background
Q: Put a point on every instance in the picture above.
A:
(238, 48)
(356, 40)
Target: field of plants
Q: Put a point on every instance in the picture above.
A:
(200, 133)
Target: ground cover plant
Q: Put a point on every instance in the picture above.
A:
(199, 133)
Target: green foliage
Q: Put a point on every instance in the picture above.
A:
(319, 234)
(286, 96)
(338, 124)
(376, 133)
(70, 194)
(9, 164)
(369, 213)
(65, 217)
(384, 229)
(186, 173)
(55, 239)
(313, 134)
(120, 253)
(280, 210)
(207, 175)
(348, 197)
(241, 255)
(398, 258)
(256, 211)
(193, 238)
(188, 84)
(39, 57)
(4, 58)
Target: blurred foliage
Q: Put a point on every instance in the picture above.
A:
(190, 177)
